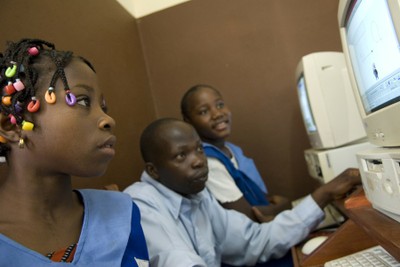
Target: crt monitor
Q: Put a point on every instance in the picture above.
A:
(327, 102)
(369, 31)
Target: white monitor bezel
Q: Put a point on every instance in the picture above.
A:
(334, 111)
(381, 127)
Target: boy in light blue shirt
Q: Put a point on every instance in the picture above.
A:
(184, 224)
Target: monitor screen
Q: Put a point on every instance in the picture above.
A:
(374, 51)
(305, 106)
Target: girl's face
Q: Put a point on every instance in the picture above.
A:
(209, 115)
(75, 140)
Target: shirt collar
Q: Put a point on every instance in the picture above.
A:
(174, 201)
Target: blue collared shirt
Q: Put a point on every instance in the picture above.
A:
(198, 231)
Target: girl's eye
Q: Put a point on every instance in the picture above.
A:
(220, 105)
(83, 101)
(203, 112)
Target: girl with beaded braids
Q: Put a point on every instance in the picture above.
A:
(54, 125)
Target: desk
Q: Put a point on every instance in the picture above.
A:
(365, 227)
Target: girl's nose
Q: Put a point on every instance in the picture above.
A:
(106, 123)
(216, 113)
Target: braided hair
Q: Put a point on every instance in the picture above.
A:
(20, 71)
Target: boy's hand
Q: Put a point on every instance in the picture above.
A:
(337, 188)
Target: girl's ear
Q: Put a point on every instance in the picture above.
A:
(151, 170)
(8, 130)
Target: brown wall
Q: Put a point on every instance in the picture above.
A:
(103, 32)
(248, 50)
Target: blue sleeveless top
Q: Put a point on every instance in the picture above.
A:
(246, 177)
(111, 236)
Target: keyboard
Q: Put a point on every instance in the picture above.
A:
(375, 256)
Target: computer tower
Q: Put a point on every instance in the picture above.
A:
(380, 174)
(324, 165)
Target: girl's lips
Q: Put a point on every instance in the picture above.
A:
(222, 125)
(109, 142)
(108, 150)
(108, 146)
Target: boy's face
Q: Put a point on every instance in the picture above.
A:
(75, 140)
(181, 164)
(209, 115)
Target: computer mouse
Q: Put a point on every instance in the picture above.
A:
(312, 244)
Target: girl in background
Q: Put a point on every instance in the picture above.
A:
(233, 178)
